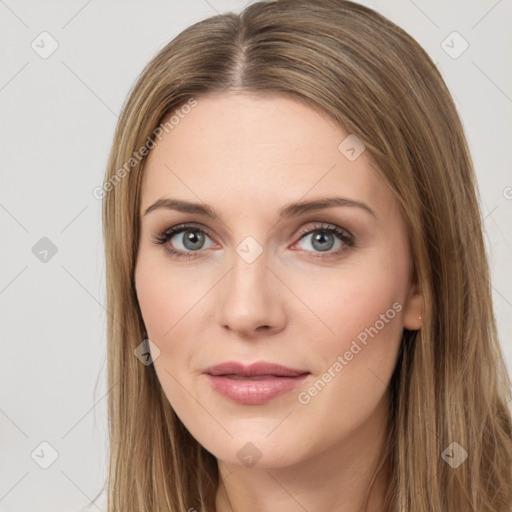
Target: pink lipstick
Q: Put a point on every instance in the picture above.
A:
(254, 384)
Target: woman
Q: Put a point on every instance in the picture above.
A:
(299, 297)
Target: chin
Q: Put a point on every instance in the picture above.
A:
(258, 453)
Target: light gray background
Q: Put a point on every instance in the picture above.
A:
(57, 121)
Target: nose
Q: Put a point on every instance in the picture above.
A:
(250, 299)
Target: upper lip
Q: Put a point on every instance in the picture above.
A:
(253, 370)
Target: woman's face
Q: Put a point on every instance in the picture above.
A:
(324, 291)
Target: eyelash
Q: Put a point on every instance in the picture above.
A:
(341, 234)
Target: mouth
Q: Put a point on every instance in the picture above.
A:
(259, 369)
(259, 377)
(255, 384)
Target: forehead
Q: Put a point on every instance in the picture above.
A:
(257, 149)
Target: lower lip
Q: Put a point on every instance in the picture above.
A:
(254, 392)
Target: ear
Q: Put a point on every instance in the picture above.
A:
(414, 308)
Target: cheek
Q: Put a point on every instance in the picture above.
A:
(351, 300)
(165, 300)
(357, 355)
(155, 300)
(164, 297)
(361, 313)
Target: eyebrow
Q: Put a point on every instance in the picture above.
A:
(288, 210)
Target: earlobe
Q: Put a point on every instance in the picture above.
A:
(413, 310)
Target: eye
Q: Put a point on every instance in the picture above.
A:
(192, 242)
(322, 238)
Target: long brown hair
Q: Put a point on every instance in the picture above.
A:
(450, 384)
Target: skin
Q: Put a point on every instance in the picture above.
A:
(247, 156)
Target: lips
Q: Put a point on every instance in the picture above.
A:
(254, 384)
(259, 369)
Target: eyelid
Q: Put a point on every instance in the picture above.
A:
(319, 226)
(189, 225)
